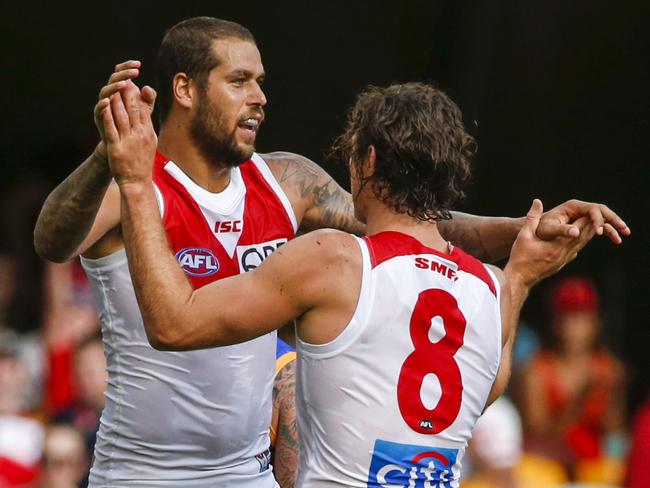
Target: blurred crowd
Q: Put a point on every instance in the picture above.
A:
(564, 421)
(52, 382)
(565, 418)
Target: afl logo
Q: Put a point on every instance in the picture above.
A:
(197, 261)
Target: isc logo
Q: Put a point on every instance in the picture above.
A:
(197, 261)
(408, 466)
(227, 226)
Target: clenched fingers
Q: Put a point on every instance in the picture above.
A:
(127, 74)
(149, 96)
(131, 63)
(111, 88)
(147, 101)
(120, 116)
(100, 106)
(112, 135)
(131, 98)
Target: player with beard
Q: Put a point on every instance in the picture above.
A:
(200, 419)
(403, 339)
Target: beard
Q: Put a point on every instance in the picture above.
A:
(215, 141)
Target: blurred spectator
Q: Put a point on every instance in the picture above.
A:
(19, 208)
(7, 285)
(496, 457)
(21, 438)
(638, 473)
(64, 463)
(68, 320)
(573, 392)
(90, 385)
(495, 448)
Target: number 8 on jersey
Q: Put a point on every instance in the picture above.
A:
(432, 358)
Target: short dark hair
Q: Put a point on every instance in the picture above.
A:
(422, 150)
(186, 48)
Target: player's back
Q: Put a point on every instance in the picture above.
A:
(393, 399)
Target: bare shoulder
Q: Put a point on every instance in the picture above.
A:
(281, 161)
(314, 271)
(318, 200)
(325, 247)
(298, 175)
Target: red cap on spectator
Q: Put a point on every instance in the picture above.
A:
(574, 294)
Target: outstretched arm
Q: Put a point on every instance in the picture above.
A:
(487, 238)
(85, 206)
(321, 203)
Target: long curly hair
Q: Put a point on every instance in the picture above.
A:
(423, 152)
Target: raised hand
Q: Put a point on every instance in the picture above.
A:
(130, 136)
(533, 259)
(560, 221)
(122, 77)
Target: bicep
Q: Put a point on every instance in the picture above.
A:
(503, 374)
(251, 304)
(318, 200)
(332, 207)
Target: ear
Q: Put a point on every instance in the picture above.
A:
(183, 89)
(370, 161)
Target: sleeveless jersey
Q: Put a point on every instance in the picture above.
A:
(391, 402)
(196, 418)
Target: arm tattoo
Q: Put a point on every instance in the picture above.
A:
(465, 235)
(335, 210)
(486, 238)
(69, 211)
(286, 445)
(324, 203)
(296, 173)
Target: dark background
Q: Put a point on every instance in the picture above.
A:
(556, 94)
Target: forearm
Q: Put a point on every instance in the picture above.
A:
(286, 456)
(512, 297)
(487, 238)
(70, 210)
(151, 264)
(286, 449)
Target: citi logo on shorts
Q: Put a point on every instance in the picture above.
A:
(197, 261)
(408, 466)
